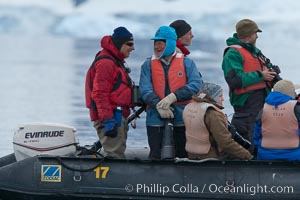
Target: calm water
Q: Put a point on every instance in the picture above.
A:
(42, 80)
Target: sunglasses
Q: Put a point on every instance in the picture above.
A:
(130, 44)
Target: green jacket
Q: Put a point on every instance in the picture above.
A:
(232, 66)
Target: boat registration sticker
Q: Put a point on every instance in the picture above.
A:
(51, 173)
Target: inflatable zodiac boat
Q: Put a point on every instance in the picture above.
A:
(48, 163)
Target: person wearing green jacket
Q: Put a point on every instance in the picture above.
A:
(249, 74)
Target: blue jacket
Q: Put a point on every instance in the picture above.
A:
(194, 81)
(274, 98)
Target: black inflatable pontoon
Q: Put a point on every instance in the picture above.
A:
(52, 177)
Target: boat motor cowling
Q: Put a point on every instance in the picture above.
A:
(44, 138)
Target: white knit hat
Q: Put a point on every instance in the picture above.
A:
(285, 87)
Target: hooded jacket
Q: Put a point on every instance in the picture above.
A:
(275, 99)
(107, 75)
(233, 67)
(182, 94)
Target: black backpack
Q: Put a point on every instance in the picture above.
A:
(90, 75)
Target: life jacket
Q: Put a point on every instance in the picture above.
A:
(280, 126)
(197, 135)
(121, 93)
(251, 64)
(175, 79)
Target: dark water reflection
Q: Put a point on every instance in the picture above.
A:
(42, 80)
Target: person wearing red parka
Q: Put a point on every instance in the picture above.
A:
(109, 90)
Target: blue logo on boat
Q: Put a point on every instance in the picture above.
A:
(51, 173)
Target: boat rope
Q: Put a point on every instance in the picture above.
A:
(177, 160)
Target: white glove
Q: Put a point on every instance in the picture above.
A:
(165, 113)
(167, 101)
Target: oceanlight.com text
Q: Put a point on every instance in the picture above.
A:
(209, 188)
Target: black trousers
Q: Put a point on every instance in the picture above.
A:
(245, 116)
(155, 136)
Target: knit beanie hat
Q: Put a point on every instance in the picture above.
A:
(213, 90)
(120, 36)
(285, 87)
(167, 34)
(181, 27)
(246, 27)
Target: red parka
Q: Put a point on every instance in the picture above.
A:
(112, 85)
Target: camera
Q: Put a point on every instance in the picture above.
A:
(136, 97)
(275, 68)
(271, 67)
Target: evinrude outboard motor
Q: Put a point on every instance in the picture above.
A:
(44, 138)
(168, 148)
